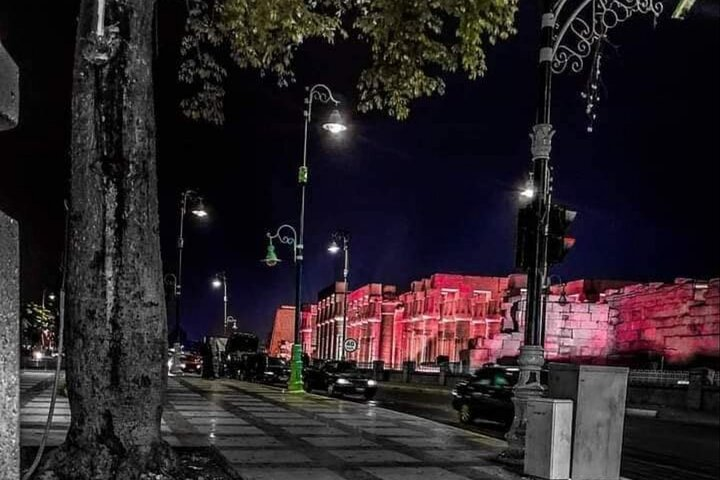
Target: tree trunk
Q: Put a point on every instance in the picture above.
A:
(117, 342)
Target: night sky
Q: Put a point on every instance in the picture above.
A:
(436, 193)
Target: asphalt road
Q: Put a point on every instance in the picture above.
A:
(653, 449)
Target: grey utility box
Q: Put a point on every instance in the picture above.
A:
(598, 418)
(548, 438)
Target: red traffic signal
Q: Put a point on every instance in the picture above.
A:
(559, 242)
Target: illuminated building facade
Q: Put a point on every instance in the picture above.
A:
(472, 320)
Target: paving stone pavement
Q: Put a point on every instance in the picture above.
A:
(268, 434)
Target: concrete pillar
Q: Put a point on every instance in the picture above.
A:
(9, 348)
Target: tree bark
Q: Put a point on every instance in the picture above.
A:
(117, 341)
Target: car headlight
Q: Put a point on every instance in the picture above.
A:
(182, 365)
(372, 383)
(454, 392)
(342, 381)
(268, 373)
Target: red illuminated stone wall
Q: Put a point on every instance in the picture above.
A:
(678, 321)
(283, 332)
(308, 320)
(474, 320)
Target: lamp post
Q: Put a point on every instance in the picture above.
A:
(271, 259)
(47, 295)
(197, 208)
(220, 280)
(572, 31)
(341, 240)
(334, 125)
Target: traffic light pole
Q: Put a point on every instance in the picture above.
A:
(571, 32)
(532, 355)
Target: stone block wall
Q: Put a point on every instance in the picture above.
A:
(679, 321)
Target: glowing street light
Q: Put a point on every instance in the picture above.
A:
(197, 208)
(528, 191)
(342, 237)
(220, 280)
(335, 123)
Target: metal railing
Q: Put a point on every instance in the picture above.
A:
(659, 377)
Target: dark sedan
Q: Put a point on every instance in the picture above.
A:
(488, 395)
(339, 378)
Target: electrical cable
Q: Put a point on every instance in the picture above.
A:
(58, 365)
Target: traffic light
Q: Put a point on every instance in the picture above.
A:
(525, 244)
(559, 242)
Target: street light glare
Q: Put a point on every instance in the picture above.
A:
(333, 247)
(528, 192)
(216, 283)
(335, 123)
(199, 209)
(51, 296)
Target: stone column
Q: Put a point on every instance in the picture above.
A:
(9, 349)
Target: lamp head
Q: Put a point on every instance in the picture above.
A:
(333, 247)
(199, 209)
(217, 283)
(51, 297)
(271, 259)
(335, 123)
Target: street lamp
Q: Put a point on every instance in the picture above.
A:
(572, 31)
(220, 280)
(47, 295)
(271, 259)
(341, 240)
(334, 125)
(197, 208)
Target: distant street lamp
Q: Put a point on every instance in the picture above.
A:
(220, 280)
(341, 240)
(334, 125)
(572, 31)
(197, 208)
(47, 295)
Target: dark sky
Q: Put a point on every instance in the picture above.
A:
(436, 193)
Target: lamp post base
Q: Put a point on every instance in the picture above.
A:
(295, 385)
(175, 367)
(531, 361)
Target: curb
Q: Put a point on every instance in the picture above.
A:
(410, 387)
(641, 412)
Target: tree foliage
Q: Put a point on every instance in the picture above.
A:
(35, 319)
(412, 44)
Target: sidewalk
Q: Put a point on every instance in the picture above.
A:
(267, 434)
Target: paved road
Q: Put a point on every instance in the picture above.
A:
(653, 449)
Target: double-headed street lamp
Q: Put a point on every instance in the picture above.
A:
(221, 280)
(572, 31)
(334, 125)
(341, 241)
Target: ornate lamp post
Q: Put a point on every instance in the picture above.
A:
(197, 208)
(334, 125)
(271, 259)
(341, 241)
(572, 31)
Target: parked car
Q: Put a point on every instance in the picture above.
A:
(488, 394)
(274, 370)
(191, 363)
(339, 378)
